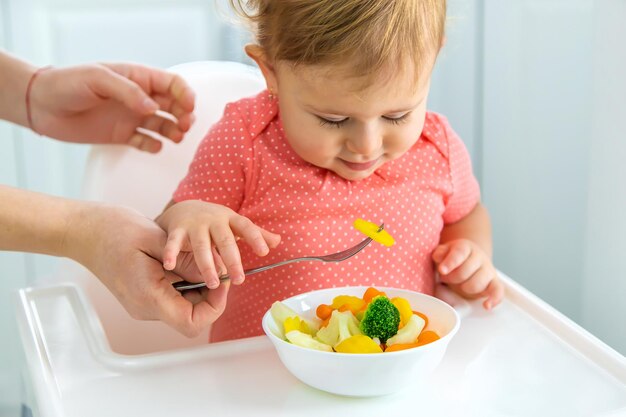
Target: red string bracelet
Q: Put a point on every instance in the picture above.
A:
(29, 116)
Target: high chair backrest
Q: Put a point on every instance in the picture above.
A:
(128, 177)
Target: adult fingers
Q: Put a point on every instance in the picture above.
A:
(145, 140)
(208, 305)
(175, 310)
(110, 84)
(164, 125)
(156, 81)
(184, 116)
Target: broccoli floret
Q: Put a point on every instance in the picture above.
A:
(381, 319)
(341, 326)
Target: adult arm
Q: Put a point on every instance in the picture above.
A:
(120, 246)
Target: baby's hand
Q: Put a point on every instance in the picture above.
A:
(211, 232)
(467, 269)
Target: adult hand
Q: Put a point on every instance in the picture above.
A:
(106, 103)
(123, 249)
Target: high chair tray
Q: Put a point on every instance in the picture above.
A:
(522, 359)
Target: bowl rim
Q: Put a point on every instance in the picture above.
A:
(267, 316)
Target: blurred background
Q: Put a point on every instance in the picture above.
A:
(536, 88)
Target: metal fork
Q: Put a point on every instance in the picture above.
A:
(333, 257)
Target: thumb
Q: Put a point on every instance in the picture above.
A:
(110, 84)
(440, 253)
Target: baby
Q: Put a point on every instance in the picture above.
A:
(340, 133)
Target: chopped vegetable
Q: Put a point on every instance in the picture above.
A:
(401, 346)
(353, 303)
(372, 230)
(358, 344)
(422, 315)
(370, 293)
(427, 337)
(341, 326)
(381, 319)
(323, 311)
(371, 324)
(280, 312)
(296, 323)
(409, 333)
(404, 308)
(306, 340)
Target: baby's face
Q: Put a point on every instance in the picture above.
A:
(331, 123)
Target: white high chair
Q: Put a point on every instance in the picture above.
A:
(127, 177)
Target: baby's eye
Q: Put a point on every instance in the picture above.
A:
(331, 122)
(396, 120)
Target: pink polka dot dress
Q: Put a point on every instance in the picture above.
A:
(245, 163)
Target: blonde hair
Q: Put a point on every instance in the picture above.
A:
(369, 35)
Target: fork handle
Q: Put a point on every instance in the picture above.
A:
(186, 285)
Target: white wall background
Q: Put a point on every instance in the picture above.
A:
(535, 87)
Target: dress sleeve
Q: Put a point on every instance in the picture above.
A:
(465, 190)
(221, 165)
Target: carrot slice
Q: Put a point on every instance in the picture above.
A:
(427, 337)
(323, 311)
(370, 293)
(401, 346)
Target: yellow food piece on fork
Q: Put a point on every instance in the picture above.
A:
(370, 229)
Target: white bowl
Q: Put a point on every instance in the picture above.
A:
(365, 375)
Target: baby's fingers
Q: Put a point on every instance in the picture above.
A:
(220, 267)
(439, 253)
(173, 246)
(203, 254)
(457, 254)
(272, 239)
(494, 293)
(465, 271)
(477, 283)
(226, 244)
(251, 234)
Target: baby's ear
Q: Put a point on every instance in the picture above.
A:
(258, 55)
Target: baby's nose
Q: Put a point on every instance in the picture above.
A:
(367, 142)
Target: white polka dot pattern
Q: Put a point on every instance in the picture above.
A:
(246, 164)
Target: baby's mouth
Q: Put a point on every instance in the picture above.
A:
(360, 166)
